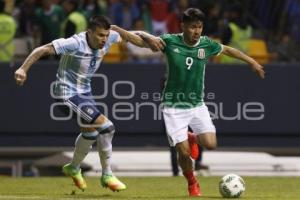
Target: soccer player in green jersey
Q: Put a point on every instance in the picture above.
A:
(187, 54)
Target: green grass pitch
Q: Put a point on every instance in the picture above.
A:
(61, 188)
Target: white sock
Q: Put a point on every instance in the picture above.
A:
(104, 146)
(82, 147)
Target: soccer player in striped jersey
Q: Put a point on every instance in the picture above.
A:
(187, 54)
(81, 56)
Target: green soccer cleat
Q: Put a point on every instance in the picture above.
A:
(112, 183)
(76, 175)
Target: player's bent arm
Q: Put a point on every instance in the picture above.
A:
(140, 38)
(36, 54)
(151, 41)
(128, 36)
(235, 53)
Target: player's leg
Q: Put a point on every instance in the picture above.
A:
(86, 112)
(196, 150)
(207, 140)
(83, 145)
(204, 128)
(176, 122)
(92, 121)
(186, 164)
(104, 146)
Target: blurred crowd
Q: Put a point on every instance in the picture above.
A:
(268, 30)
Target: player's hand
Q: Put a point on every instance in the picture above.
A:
(20, 76)
(156, 44)
(259, 69)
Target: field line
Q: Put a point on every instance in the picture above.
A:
(8, 197)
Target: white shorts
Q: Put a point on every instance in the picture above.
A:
(177, 121)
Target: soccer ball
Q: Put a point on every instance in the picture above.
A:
(231, 186)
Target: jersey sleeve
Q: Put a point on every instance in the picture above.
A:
(215, 48)
(65, 46)
(114, 37)
(166, 38)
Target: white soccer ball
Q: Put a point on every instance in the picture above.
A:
(231, 186)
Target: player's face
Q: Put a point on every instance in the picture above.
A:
(98, 37)
(192, 31)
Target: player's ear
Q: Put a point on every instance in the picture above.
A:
(89, 31)
(182, 26)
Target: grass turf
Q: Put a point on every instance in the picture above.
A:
(54, 188)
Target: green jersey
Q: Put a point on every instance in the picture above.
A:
(184, 86)
(50, 22)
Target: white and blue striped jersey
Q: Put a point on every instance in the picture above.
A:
(78, 63)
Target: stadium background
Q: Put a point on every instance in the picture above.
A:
(252, 115)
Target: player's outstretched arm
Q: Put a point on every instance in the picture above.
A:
(235, 53)
(140, 38)
(151, 41)
(37, 53)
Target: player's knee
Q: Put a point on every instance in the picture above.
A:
(107, 128)
(211, 145)
(110, 129)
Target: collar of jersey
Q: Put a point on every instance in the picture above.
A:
(182, 37)
(86, 39)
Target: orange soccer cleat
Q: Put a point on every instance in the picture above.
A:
(194, 190)
(193, 145)
(76, 175)
(112, 182)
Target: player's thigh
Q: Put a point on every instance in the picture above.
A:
(176, 123)
(203, 127)
(101, 123)
(84, 109)
(201, 121)
(207, 140)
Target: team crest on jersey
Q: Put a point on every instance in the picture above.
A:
(201, 53)
(90, 111)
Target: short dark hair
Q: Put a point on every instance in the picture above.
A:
(99, 21)
(192, 15)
